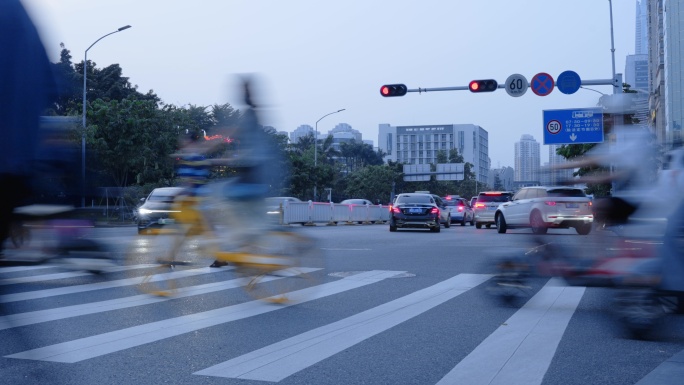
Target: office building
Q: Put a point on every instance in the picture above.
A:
(527, 161)
(420, 144)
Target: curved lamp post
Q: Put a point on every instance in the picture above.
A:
(85, 66)
(316, 149)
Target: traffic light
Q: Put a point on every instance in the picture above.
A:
(393, 90)
(487, 85)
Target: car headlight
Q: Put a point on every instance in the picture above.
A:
(143, 211)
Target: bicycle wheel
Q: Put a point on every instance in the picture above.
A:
(278, 265)
(167, 258)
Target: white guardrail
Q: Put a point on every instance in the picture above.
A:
(311, 213)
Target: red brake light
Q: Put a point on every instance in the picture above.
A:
(479, 205)
(460, 208)
(434, 210)
(550, 203)
(394, 209)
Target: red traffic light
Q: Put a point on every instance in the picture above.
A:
(487, 85)
(393, 90)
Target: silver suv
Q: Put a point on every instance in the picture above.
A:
(541, 208)
(486, 204)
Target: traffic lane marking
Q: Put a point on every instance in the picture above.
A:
(520, 351)
(102, 344)
(287, 357)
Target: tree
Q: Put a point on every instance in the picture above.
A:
(498, 185)
(131, 140)
(372, 182)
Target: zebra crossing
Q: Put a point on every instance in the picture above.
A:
(519, 351)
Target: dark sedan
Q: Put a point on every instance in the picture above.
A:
(414, 210)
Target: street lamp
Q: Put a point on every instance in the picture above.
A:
(85, 66)
(316, 149)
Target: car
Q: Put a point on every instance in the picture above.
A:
(460, 211)
(414, 210)
(486, 205)
(155, 210)
(543, 207)
(362, 202)
(444, 211)
(274, 207)
(356, 202)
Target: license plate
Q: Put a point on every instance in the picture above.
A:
(572, 205)
(415, 211)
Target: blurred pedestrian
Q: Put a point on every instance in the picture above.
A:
(26, 86)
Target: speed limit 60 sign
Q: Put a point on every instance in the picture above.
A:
(516, 85)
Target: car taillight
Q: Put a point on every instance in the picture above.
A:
(395, 209)
(460, 208)
(434, 210)
(590, 203)
(550, 203)
(479, 205)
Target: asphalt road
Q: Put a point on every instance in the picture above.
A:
(410, 307)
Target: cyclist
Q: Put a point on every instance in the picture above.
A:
(257, 165)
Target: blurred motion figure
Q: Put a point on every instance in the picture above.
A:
(27, 85)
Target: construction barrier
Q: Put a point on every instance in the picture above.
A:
(312, 213)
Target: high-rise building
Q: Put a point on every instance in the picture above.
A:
(527, 160)
(420, 144)
(673, 28)
(666, 63)
(555, 176)
(505, 176)
(301, 131)
(656, 69)
(641, 30)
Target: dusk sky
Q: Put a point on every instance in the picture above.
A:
(316, 57)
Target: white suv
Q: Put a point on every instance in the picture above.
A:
(541, 208)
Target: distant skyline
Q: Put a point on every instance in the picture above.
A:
(317, 57)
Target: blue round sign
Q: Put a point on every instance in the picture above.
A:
(568, 82)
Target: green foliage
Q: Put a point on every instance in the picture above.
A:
(372, 182)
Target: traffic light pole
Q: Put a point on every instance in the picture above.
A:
(615, 82)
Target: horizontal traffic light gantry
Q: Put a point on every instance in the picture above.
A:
(485, 85)
(393, 90)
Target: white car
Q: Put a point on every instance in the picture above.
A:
(544, 207)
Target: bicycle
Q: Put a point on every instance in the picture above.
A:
(270, 265)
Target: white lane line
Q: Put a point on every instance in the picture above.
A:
(520, 351)
(99, 345)
(38, 294)
(71, 274)
(282, 359)
(24, 268)
(39, 316)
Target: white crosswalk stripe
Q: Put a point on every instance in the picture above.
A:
(37, 294)
(519, 351)
(85, 348)
(274, 363)
(68, 274)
